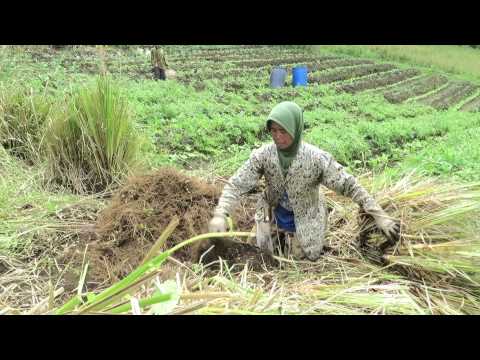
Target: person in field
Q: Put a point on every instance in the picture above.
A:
(292, 212)
(159, 63)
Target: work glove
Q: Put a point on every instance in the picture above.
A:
(217, 224)
(388, 226)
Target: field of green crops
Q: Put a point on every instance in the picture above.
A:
(377, 112)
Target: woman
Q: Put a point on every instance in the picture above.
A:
(292, 202)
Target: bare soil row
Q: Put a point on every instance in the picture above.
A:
(416, 88)
(450, 95)
(472, 105)
(378, 80)
(349, 73)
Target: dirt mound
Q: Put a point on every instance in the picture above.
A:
(143, 208)
(138, 214)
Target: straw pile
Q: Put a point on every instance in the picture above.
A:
(434, 269)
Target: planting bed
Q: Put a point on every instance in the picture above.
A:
(349, 73)
(449, 96)
(416, 88)
(472, 105)
(378, 80)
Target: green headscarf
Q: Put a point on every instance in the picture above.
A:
(289, 116)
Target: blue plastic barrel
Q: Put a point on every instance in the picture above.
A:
(299, 76)
(277, 77)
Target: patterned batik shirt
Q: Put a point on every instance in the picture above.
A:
(311, 168)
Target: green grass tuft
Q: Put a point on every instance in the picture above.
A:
(94, 143)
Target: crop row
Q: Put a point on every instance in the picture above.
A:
(335, 63)
(215, 73)
(415, 88)
(233, 55)
(378, 80)
(449, 96)
(349, 73)
(472, 105)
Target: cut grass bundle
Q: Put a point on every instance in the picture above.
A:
(431, 210)
(23, 114)
(94, 144)
(440, 226)
(439, 236)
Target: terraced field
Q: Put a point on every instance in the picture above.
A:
(230, 84)
(240, 68)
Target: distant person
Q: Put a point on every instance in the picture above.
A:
(292, 212)
(159, 63)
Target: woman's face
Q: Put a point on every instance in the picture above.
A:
(280, 137)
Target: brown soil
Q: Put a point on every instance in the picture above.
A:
(349, 73)
(378, 80)
(138, 214)
(416, 88)
(234, 252)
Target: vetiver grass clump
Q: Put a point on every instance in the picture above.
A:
(94, 143)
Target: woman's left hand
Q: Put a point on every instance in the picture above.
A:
(389, 226)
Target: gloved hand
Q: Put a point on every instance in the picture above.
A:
(217, 224)
(389, 227)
